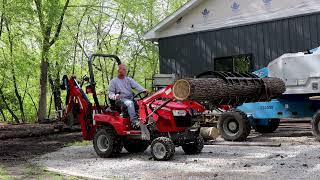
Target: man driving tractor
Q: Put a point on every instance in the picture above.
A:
(120, 90)
(109, 129)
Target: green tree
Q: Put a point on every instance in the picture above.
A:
(63, 33)
(50, 15)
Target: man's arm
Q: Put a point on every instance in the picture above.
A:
(112, 90)
(136, 86)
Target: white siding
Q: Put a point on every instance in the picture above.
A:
(221, 14)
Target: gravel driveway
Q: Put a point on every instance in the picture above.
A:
(297, 158)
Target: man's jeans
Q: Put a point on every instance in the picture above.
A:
(131, 109)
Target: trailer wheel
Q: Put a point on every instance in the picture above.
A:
(135, 146)
(194, 148)
(316, 125)
(104, 143)
(270, 128)
(162, 149)
(234, 125)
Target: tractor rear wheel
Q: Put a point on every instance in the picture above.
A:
(234, 125)
(104, 143)
(135, 146)
(162, 149)
(194, 148)
(316, 125)
(270, 128)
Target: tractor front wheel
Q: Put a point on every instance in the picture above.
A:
(162, 149)
(104, 143)
(234, 126)
(316, 125)
(195, 147)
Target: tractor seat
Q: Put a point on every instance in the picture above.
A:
(118, 107)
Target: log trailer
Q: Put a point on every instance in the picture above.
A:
(223, 91)
(300, 100)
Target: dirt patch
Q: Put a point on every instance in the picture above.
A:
(20, 150)
(16, 153)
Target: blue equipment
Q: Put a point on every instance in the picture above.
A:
(300, 72)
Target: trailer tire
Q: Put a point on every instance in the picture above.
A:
(135, 146)
(234, 125)
(104, 143)
(316, 125)
(273, 125)
(194, 148)
(162, 149)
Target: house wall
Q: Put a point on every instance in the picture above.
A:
(194, 53)
(217, 14)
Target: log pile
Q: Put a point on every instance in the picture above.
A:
(9, 131)
(219, 91)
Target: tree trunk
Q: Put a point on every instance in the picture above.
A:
(56, 93)
(134, 67)
(46, 29)
(42, 108)
(25, 88)
(14, 80)
(3, 115)
(218, 91)
(57, 97)
(18, 96)
(4, 2)
(15, 117)
(117, 45)
(33, 102)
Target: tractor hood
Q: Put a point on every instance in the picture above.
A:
(180, 105)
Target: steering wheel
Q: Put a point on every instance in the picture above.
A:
(140, 95)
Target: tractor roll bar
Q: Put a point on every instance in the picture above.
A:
(92, 82)
(91, 58)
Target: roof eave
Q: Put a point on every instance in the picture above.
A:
(152, 34)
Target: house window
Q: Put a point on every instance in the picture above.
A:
(239, 63)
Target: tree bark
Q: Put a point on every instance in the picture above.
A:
(46, 29)
(4, 2)
(42, 107)
(77, 40)
(3, 115)
(14, 80)
(117, 46)
(33, 102)
(218, 91)
(15, 117)
(25, 88)
(55, 88)
(1, 24)
(44, 66)
(18, 96)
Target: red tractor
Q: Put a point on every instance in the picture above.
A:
(165, 122)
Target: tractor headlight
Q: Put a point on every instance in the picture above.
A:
(179, 112)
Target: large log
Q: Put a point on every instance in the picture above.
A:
(219, 91)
